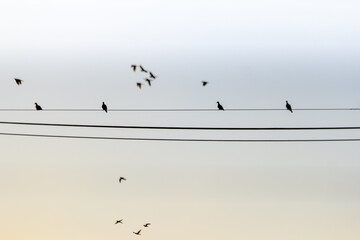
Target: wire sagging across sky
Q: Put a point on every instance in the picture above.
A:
(183, 128)
(172, 109)
(181, 139)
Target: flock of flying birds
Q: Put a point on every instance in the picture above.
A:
(121, 220)
(151, 77)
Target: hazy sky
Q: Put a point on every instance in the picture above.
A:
(255, 54)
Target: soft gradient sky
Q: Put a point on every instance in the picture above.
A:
(255, 54)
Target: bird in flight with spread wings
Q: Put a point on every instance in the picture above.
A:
(148, 81)
(18, 81)
(122, 179)
(119, 221)
(134, 67)
(142, 69)
(152, 75)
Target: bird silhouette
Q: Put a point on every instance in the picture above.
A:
(220, 107)
(122, 179)
(38, 107)
(118, 221)
(18, 81)
(204, 83)
(104, 107)
(134, 67)
(148, 81)
(138, 232)
(147, 224)
(142, 69)
(152, 75)
(139, 85)
(288, 106)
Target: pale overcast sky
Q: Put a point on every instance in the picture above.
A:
(254, 54)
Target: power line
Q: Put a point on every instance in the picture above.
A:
(182, 128)
(173, 109)
(182, 139)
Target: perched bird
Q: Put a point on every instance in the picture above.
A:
(288, 106)
(138, 232)
(152, 75)
(134, 67)
(38, 107)
(220, 107)
(18, 81)
(118, 221)
(148, 81)
(104, 107)
(142, 69)
(122, 179)
(139, 85)
(204, 83)
(147, 224)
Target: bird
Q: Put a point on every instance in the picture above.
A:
(38, 107)
(134, 67)
(142, 69)
(18, 81)
(288, 106)
(138, 232)
(204, 83)
(147, 224)
(220, 107)
(118, 221)
(104, 107)
(148, 81)
(122, 179)
(152, 75)
(139, 85)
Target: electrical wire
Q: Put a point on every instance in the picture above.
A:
(183, 128)
(181, 139)
(174, 110)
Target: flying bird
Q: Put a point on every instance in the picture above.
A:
(118, 221)
(38, 107)
(122, 179)
(18, 81)
(288, 106)
(204, 83)
(152, 75)
(138, 232)
(134, 67)
(147, 224)
(104, 107)
(142, 69)
(148, 81)
(139, 85)
(220, 107)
